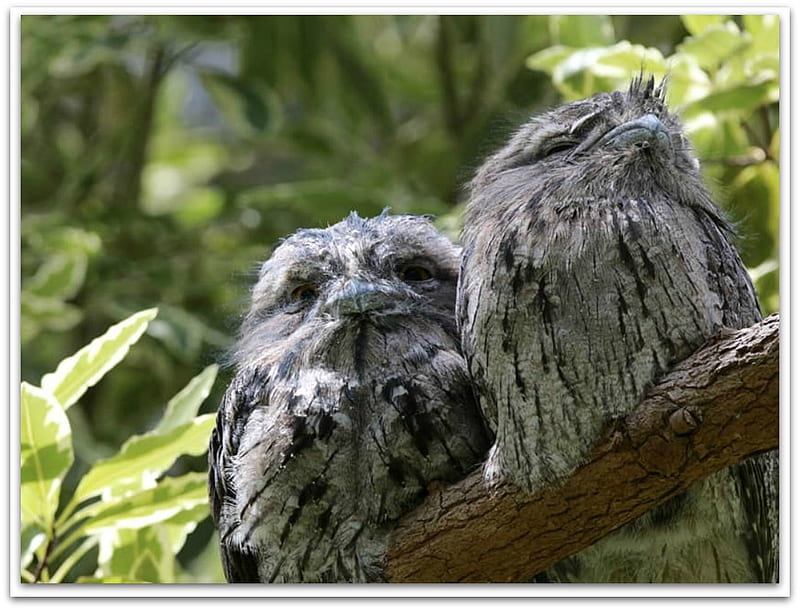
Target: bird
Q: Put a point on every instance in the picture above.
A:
(594, 259)
(349, 401)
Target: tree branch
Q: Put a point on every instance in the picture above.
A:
(711, 411)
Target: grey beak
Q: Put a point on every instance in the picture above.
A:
(358, 296)
(643, 132)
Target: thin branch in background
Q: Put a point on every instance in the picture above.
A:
(444, 61)
(128, 185)
(43, 563)
(479, 78)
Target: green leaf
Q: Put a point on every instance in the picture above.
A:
(185, 522)
(579, 73)
(60, 276)
(46, 455)
(697, 24)
(714, 45)
(143, 459)
(172, 496)
(140, 536)
(182, 408)
(135, 555)
(110, 580)
(76, 374)
(242, 102)
(765, 32)
(582, 30)
(548, 59)
(741, 99)
(199, 206)
(37, 313)
(32, 539)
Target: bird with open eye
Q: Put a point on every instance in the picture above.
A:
(594, 260)
(350, 397)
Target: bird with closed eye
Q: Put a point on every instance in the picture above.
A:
(594, 260)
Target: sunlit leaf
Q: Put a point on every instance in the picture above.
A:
(764, 31)
(110, 580)
(697, 24)
(76, 374)
(135, 555)
(582, 30)
(32, 540)
(182, 408)
(579, 73)
(741, 99)
(183, 523)
(547, 59)
(140, 536)
(143, 459)
(45, 455)
(714, 45)
(60, 276)
(168, 498)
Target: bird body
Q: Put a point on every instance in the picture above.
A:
(350, 397)
(595, 259)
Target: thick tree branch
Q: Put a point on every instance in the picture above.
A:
(714, 409)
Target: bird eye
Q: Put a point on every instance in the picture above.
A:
(305, 292)
(415, 273)
(557, 147)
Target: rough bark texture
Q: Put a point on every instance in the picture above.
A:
(714, 409)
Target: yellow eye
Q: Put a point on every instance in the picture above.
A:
(305, 292)
(415, 273)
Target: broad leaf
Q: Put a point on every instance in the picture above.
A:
(46, 455)
(741, 99)
(182, 408)
(60, 276)
(697, 24)
(547, 59)
(764, 31)
(582, 30)
(76, 374)
(143, 459)
(32, 539)
(172, 496)
(714, 45)
(140, 536)
(135, 555)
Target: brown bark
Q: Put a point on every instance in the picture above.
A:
(712, 410)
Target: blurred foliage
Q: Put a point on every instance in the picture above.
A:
(163, 156)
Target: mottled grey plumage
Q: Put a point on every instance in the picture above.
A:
(350, 396)
(594, 259)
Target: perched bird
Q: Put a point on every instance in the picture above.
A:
(350, 396)
(594, 259)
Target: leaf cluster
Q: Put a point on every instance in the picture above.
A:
(126, 509)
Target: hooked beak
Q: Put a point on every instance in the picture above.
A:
(358, 297)
(645, 132)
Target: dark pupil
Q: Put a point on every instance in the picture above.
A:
(304, 292)
(416, 274)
